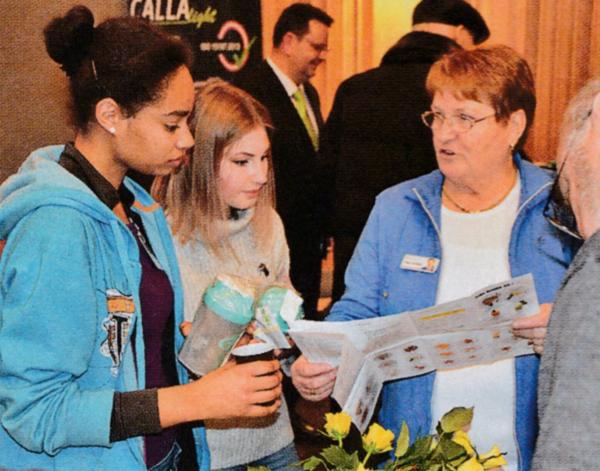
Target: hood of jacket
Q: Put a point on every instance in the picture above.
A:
(418, 46)
(41, 181)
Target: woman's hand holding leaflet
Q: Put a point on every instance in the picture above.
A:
(314, 381)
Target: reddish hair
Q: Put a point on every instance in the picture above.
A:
(496, 75)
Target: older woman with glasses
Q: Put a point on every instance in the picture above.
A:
(480, 217)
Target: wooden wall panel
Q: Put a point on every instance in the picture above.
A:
(33, 89)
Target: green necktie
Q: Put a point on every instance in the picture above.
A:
(300, 105)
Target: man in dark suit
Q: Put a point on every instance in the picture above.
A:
(374, 137)
(281, 83)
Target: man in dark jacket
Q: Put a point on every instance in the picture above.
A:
(374, 137)
(281, 83)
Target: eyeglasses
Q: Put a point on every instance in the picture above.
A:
(558, 211)
(458, 122)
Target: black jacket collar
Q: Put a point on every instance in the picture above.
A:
(76, 163)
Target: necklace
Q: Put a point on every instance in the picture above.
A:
(137, 232)
(487, 208)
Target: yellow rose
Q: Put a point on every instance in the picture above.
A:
(470, 465)
(377, 439)
(462, 439)
(362, 468)
(492, 459)
(337, 425)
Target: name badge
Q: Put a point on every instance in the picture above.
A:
(419, 263)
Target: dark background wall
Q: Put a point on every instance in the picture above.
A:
(33, 89)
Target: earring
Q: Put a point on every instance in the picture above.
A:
(112, 130)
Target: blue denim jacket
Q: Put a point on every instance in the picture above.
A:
(406, 220)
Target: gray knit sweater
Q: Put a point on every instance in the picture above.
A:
(569, 380)
(237, 442)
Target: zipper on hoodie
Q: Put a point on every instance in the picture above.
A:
(118, 227)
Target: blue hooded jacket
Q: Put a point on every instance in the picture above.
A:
(406, 220)
(70, 327)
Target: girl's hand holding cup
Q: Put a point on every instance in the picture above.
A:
(252, 352)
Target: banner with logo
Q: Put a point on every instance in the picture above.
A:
(225, 35)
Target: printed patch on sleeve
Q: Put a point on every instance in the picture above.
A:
(121, 309)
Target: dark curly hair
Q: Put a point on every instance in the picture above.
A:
(126, 59)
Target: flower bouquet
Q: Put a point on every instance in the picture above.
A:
(449, 449)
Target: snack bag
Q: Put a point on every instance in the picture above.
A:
(275, 308)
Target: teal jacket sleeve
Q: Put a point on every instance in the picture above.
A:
(48, 329)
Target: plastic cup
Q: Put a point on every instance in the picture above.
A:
(253, 352)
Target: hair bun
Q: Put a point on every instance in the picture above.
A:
(68, 39)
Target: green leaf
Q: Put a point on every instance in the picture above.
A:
(421, 447)
(390, 465)
(451, 450)
(403, 440)
(337, 457)
(258, 468)
(310, 464)
(355, 461)
(456, 419)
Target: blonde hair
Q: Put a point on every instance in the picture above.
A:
(496, 75)
(222, 115)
